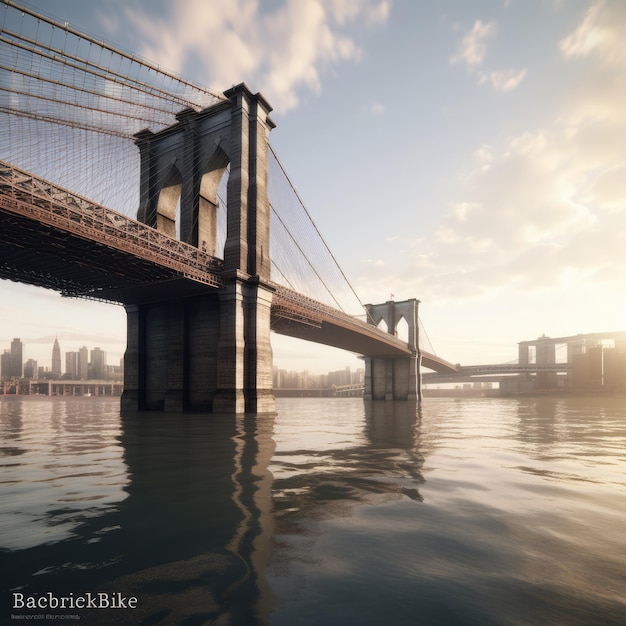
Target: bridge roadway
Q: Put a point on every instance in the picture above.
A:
(53, 238)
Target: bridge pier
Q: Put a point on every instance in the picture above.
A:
(392, 378)
(397, 378)
(208, 353)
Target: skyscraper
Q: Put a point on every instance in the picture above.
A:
(83, 364)
(17, 358)
(56, 359)
(71, 364)
(30, 369)
(98, 364)
(5, 365)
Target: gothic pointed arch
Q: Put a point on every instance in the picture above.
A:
(210, 228)
(402, 329)
(168, 201)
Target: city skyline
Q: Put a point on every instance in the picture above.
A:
(57, 362)
(466, 154)
(74, 364)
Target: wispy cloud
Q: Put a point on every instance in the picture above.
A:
(473, 46)
(286, 48)
(545, 207)
(599, 34)
(507, 80)
(472, 51)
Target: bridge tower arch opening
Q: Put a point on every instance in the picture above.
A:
(395, 378)
(382, 325)
(402, 329)
(208, 235)
(168, 204)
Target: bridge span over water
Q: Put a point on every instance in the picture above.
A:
(55, 239)
(222, 250)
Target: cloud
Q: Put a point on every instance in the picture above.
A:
(345, 11)
(540, 209)
(285, 49)
(473, 47)
(507, 80)
(472, 51)
(600, 34)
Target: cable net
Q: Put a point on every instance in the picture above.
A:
(301, 260)
(70, 106)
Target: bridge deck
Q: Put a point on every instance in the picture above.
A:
(40, 225)
(56, 239)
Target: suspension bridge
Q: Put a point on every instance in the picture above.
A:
(122, 182)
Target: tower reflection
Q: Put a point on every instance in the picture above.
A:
(190, 539)
(195, 531)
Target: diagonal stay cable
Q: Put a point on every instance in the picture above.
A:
(133, 58)
(316, 229)
(306, 258)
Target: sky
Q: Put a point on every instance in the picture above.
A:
(468, 153)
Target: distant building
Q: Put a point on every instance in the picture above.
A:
(17, 358)
(82, 364)
(340, 377)
(284, 379)
(98, 364)
(5, 365)
(31, 370)
(71, 365)
(596, 360)
(44, 373)
(56, 359)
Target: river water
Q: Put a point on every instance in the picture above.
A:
(331, 512)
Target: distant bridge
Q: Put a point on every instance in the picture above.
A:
(492, 373)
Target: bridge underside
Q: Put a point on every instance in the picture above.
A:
(38, 254)
(338, 335)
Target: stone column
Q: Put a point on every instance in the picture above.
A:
(258, 381)
(146, 211)
(176, 357)
(229, 395)
(367, 380)
(130, 396)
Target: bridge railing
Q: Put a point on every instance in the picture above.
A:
(24, 194)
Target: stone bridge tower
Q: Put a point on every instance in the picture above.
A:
(397, 378)
(210, 351)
